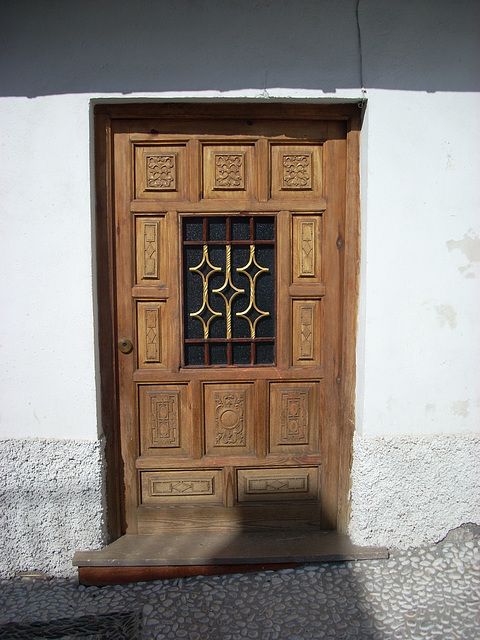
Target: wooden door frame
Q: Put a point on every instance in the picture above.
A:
(349, 245)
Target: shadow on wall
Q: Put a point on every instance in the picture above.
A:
(194, 45)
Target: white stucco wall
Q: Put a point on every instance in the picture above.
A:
(418, 346)
(47, 383)
(418, 336)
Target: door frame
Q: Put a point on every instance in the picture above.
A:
(104, 114)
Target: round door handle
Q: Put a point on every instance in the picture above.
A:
(125, 345)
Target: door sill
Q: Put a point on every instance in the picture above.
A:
(144, 557)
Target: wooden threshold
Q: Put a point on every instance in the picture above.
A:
(134, 558)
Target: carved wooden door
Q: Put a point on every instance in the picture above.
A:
(229, 288)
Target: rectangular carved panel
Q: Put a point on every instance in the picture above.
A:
(160, 172)
(255, 485)
(228, 419)
(164, 424)
(165, 427)
(294, 419)
(306, 248)
(150, 252)
(151, 331)
(182, 487)
(306, 332)
(228, 171)
(296, 171)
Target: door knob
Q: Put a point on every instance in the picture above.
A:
(125, 345)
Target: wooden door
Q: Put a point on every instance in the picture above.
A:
(229, 291)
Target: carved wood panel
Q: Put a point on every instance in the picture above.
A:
(228, 419)
(306, 332)
(182, 487)
(151, 335)
(255, 485)
(165, 422)
(306, 258)
(228, 171)
(160, 172)
(150, 250)
(296, 171)
(294, 420)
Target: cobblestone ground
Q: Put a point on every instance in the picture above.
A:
(427, 593)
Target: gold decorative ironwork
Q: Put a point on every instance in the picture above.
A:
(252, 263)
(205, 309)
(228, 290)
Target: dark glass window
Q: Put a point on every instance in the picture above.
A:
(229, 290)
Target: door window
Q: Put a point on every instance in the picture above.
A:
(229, 290)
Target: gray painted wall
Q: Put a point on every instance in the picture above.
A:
(66, 46)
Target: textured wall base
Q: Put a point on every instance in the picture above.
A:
(406, 491)
(410, 491)
(51, 504)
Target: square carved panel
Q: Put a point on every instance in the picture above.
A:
(294, 419)
(228, 171)
(160, 172)
(165, 423)
(296, 171)
(228, 419)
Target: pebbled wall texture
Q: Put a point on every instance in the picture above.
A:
(51, 496)
(408, 491)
